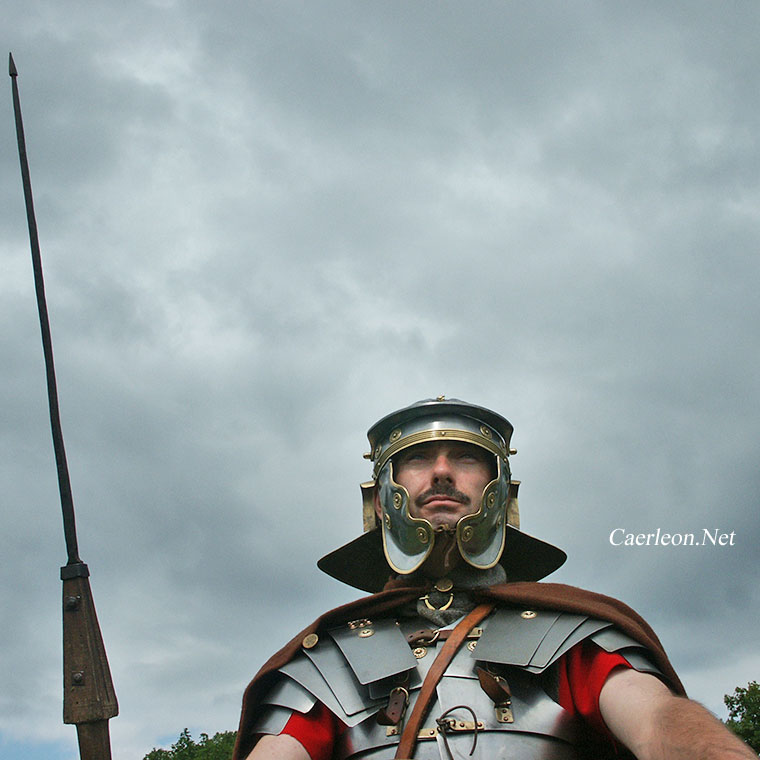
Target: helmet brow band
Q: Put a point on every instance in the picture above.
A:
(462, 436)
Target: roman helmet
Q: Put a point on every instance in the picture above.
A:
(401, 543)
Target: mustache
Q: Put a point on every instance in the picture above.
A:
(442, 490)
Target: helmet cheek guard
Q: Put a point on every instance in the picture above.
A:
(481, 536)
(407, 540)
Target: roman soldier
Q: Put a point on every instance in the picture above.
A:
(460, 651)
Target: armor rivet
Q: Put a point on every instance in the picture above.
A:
(445, 584)
(419, 652)
(397, 500)
(378, 448)
(491, 500)
(467, 533)
(528, 614)
(387, 518)
(77, 678)
(471, 645)
(361, 623)
(310, 641)
(422, 535)
(513, 451)
(486, 432)
(365, 632)
(395, 435)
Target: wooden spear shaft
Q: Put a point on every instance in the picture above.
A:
(89, 699)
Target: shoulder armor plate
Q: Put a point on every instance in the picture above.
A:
(288, 693)
(613, 640)
(533, 639)
(374, 651)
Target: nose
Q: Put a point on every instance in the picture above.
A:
(442, 470)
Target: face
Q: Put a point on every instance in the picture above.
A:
(445, 479)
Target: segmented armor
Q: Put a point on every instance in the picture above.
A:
(496, 682)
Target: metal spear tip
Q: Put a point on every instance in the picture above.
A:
(12, 72)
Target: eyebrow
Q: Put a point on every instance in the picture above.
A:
(455, 447)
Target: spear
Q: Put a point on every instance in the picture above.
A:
(89, 700)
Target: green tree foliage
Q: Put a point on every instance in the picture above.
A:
(217, 747)
(744, 713)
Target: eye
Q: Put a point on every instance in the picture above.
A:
(471, 458)
(417, 456)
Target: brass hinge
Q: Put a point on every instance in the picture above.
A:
(430, 733)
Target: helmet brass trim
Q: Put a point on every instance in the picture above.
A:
(450, 434)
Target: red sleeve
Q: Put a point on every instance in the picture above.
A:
(317, 731)
(582, 673)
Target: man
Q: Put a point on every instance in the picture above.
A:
(461, 652)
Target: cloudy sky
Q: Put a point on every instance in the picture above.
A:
(265, 225)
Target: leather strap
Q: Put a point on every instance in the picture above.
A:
(406, 746)
(496, 687)
(394, 712)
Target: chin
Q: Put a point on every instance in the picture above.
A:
(444, 522)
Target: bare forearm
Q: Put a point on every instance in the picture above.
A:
(684, 729)
(655, 725)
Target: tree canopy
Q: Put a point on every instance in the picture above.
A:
(216, 747)
(744, 713)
